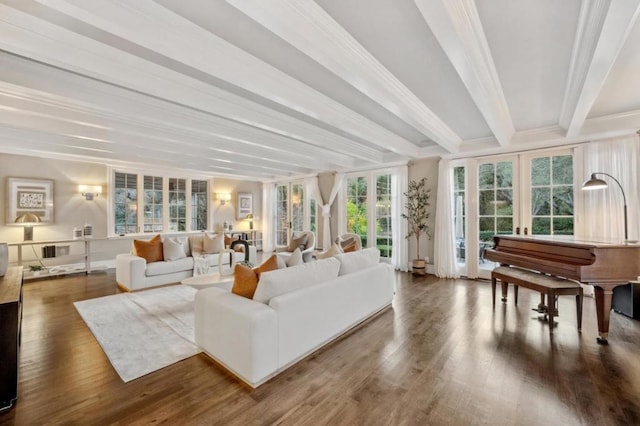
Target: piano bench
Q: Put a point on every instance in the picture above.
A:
(545, 284)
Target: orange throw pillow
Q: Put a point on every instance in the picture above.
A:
(347, 248)
(246, 279)
(150, 250)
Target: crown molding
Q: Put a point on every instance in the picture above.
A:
(457, 27)
(603, 28)
(329, 44)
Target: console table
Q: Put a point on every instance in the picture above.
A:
(10, 327)
(85, 255)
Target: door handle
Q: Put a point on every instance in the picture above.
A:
(526, 231)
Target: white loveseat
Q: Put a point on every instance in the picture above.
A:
(256, 340)
(134, 273)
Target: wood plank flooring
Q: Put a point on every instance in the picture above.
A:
(442, 355)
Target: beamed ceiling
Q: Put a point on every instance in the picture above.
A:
(271, 89)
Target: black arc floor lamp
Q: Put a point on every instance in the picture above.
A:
(596, 183)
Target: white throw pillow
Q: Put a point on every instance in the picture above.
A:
(172, 249)
(358, 260)
(281, 281)
(185, 243)
(295, 259)
(212, 244)
(333, 251)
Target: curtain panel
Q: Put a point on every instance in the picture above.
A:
(603, 208)
(444, 256)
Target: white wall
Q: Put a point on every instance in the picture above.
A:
(228, 211)
(72, 210)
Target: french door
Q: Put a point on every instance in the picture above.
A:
(290, 210)
(531, 193)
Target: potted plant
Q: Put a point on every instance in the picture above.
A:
(417, 214)
(36, 269)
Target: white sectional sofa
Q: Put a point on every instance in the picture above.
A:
(256, 340)
(134, 273)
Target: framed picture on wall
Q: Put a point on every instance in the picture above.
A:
(33, 196)
(245, 205)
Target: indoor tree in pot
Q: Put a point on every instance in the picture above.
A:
(417, 214)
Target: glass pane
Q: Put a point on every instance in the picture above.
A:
(487, 226)
(486, 204)
(504, 174)
(541, 226)
(504, 202)
(563, 225)
(563, 201)
(540, 171)
(458, 178)
(540, 201)
(563, 170)
(504, 225)
(486, 176)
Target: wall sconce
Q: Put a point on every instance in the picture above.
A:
(223, 197)
(28, 219)
(90, 191)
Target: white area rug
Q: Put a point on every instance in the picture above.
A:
(144, 331)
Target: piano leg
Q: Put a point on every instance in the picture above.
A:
(603, 309)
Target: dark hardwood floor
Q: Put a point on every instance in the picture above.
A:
(440, 356)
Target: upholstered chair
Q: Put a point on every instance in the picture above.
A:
(297, 240)
(346, 239)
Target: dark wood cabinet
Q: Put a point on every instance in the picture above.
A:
(10, 326)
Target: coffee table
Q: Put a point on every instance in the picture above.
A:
(214, 279)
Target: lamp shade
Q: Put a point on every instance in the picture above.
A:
(28, 218)
(594, 183)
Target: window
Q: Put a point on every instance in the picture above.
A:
(297, 207)
(282, 214)
(459, 211)
(199, 205)
(552, 195)
(313, 216)
(495, 199)
(383, 215)
(163, 205)
(152, 204)
(357, 218)
(367, 201)
(126, 203)
(177, 204)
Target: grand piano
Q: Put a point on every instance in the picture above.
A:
(605, 265)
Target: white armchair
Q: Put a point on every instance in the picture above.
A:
(309, 245)
(346, 238)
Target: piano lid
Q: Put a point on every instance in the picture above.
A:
(572, 240)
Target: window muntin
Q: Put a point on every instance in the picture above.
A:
(177, 204)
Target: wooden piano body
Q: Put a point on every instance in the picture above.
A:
(604, 265)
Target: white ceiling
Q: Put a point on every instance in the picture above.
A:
(269, 89)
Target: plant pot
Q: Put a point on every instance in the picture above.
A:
(418, 266)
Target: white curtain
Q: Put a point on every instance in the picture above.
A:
(268, 217)
(312, 188)
(326, 211)
(444, 256)
(603, 208)
(400, 245)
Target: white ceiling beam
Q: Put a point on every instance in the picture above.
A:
(307, 27)
(603, 28)
(36, 38)
(141, 21)
(457, 27)
(30, 113)
(114, 105)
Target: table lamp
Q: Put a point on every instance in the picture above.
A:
(28, 219)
